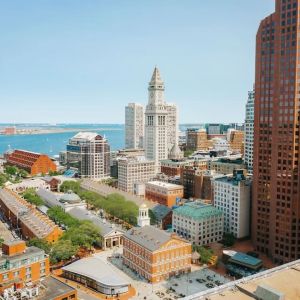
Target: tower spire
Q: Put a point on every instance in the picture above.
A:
(156, 78)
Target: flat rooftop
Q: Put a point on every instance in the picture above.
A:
(166, 185)
(284, 280)
(54, 289)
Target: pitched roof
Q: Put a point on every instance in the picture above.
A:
(156, 78)
(148, 237)
(197, 210)
(105, 227)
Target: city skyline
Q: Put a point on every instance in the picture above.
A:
(44, 66)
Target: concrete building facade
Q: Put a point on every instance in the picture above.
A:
(232, 195)
(90, 152)
(199, 223)
(249, 132)
(161, 122)
(134, 170)
(134, 126)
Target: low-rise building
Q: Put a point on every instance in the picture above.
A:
(32, 183)
(54, 289)
(52, 182)
(66, 201)
(133, 170)
(96, 274)
(21, 265)
(111, 236)
(26, 219)
(33, 163)
(163, 192)
(199, 223)
(232, 195)
(155, 254)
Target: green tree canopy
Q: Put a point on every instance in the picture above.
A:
(70, 185)
(40, 243)
(62, 250)
(31, 196)
(60, 217)
(85, 235)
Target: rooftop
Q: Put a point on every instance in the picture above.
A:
(148, 237)
(280, 280)
(85, 136)
(169, 186)
(38, 223)
(197, 210)
(97, 270)
(246, 260)
(54, 288)
(104, 226)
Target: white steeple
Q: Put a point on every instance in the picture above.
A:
(143, 218)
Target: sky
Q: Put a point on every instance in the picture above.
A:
(82, 61)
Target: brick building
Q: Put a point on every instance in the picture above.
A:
(163, 193)
(33, 163)
(20, 265)
(172, 167)
(26, 219)
(155, 254)
(197, 140)
(276, 172)
(236, 140)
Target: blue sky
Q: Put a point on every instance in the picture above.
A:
(84, 60)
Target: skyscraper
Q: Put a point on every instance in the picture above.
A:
(134, 126)
(90, 153)
(276, 188)
(161, 122)
(249, 132)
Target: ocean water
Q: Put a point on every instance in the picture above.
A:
(53, 143)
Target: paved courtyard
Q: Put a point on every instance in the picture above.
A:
(198, 280)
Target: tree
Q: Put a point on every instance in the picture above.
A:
(11, 170)
(3, 179)
(23, 173)
(62, 250)
(228, 239)
(85, 235)
(31, 196)
(188, 153)
(40, 243)
(60, 217)
(205, 253)
(70, 185)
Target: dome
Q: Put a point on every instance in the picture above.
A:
(143, 206)
(175, 152)
(69, 197)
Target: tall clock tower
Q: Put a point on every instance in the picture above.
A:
(161, 126)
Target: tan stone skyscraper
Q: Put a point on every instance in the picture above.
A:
(276, 186)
